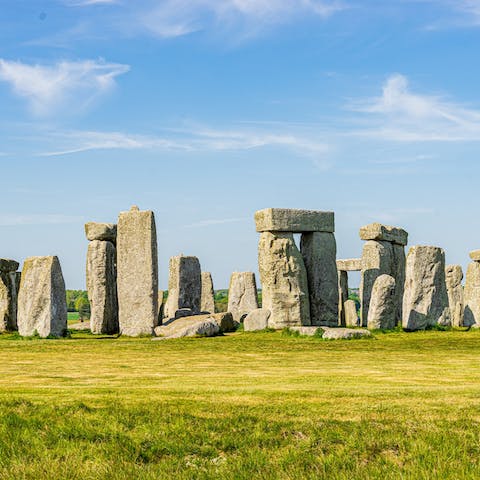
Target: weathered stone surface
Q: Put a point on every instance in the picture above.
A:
(377, 259)
(42, 305)
(342, 296)
(102, 287)
(472, 295)
(349, 265)
(188, 327)
(351, 316)
(225, 321)
(160, 307)
(9, 284)
(398, 273)
(284, 280)
(184, 285)
(384, 233)
(475, 255)
(208, 294)
(454, 277)
(383, 304)
(137, 272)
(256, 320)
(295, 221)
(8, 266)
(242, 295)
(308, 331)
(425, 301)
(344, 334)
(101, 231)
(319, 252)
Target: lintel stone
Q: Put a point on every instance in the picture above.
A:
(294, 221)
(475, 255)
(101, 231)
(7, 265)
(384, 233)
(349, 265)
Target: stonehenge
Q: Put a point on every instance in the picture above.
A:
(9, 285)
(242, 295)
(184, 286)
(425, 301)
(299, 287)
(102, 277)
(453, 278)
(42, 305)
(472, 291)
(344, 266)
(383, 307)
(137, 272)
(208, 293)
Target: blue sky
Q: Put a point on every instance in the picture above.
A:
(205, 111)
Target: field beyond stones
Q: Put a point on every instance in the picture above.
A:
(242, 406)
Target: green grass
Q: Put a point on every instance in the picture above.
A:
(243, 406)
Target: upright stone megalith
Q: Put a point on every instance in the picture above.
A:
(208, 293)
(137, 272)
(184, 285)
(42, 305)
(472, 291)
(319, 251)
(342, 296)
(425, 301)
(383, 305)
(102, 287)
(242, 295)
(8, 295)
(284, 280)
(454, 277)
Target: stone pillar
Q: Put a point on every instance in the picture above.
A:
(342, 296)
(319, 252)
(351, 317)
(242, 295)
(454, 277)
(137, 272)
(208, 293)
(8, 295)
(425, 301)
(102, 287)
(184, 285)
(42, 305)
(383, 304)
(472, 291)
(284, 280)
(384, 253)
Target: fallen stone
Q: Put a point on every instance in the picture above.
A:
(351, 316)
(101, 231)
(472, 295)
(242, 295)
(208, 294)
(308, 331)
(454, 277)
(102, 287)
(319, 251)
(256, 320)
(475, 255)
(383, 304)
(137, 272)
(8, 266)
(425, 301)
(284, 281)
(188, 327)
(184, 285)
(295, 221)
(350, 265)
(384, 233)
(42, 305)
(345, 333)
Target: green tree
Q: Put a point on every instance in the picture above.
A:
(82, 306)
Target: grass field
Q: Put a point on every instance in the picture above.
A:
(244, 406)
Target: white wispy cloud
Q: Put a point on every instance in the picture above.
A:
(405, 116)
(13, 219)
(50, 88)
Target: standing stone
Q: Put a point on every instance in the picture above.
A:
(383, 304)
(342, 296)
(425, 301)
(284, 280)
(137, 272)
(160, 307)
(454, 277)
(102, 287)
(184, 285)
(377, 259)
(242, 295)
(351, 316)
(472, 295)
(208, 294)
(8, 295)
(42, 305)
(319, 251)
(398, 273)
